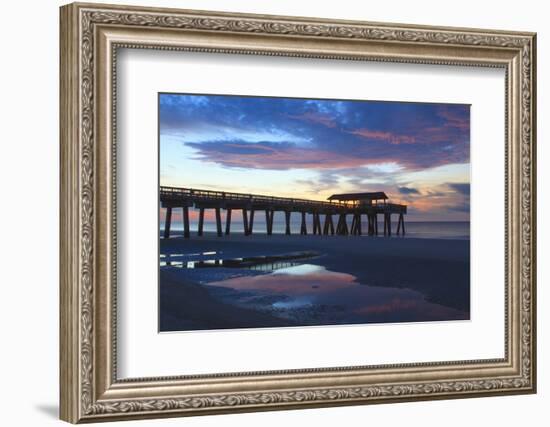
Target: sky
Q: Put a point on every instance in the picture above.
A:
(418, 153)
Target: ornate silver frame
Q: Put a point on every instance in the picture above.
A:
(90, 36)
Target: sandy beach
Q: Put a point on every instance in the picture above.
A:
(338, 280)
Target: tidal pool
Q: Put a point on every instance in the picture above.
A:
(309, 294)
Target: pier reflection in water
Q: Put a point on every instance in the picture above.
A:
(256, 263)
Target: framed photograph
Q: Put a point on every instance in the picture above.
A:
(265, 212)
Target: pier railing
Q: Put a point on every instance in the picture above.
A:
(194, 195)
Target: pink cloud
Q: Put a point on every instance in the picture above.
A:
(295, 158)
(390, 137)
(454, 119)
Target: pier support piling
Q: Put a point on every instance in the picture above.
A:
(186, 230)
(303, 227)
(329, 226)
(228, 222)
(218, 222)
(371, 220)
(201, 221)
(316, 223)
(342, 228)
(401, 225)
(356, 225)
(167, 222)
(245, 222)
(387, 224)
(251, 222)
(269, 222)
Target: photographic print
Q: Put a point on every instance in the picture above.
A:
(306, 194)
(294, 212)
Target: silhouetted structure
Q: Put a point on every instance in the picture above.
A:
(340, 205)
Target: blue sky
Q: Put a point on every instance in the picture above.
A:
(417, 153)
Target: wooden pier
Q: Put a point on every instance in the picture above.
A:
(328, 217)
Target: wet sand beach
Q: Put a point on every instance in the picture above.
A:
(310, 280)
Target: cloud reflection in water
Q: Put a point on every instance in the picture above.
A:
(312, 295)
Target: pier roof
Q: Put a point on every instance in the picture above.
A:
(377, 195)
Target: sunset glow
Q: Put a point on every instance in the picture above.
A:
(418, 153)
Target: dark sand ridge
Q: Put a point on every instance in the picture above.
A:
(439, 269)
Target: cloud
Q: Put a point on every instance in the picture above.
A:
(317, 118)
(384, 136)
(457, 118)
(462, 188)
(274, 156)
(357, 140)
(319, 154)
(407, 190)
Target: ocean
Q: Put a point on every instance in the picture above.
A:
(456, 230)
